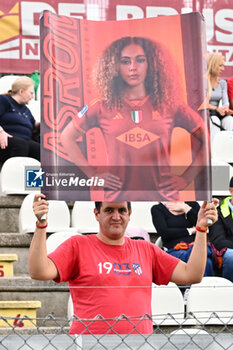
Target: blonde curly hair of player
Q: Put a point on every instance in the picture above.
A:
(162, 81)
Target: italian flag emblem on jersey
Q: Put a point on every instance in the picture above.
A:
(137, 116)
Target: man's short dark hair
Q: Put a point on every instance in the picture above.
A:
(99, 204)
(231, 182)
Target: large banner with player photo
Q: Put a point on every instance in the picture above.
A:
(123, 111)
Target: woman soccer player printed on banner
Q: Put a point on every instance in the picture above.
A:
(139, 107)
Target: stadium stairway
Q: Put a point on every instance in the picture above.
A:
(20, 288)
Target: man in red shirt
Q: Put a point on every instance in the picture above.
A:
(111, 275)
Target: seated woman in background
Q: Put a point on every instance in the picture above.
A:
(175, 223)
(17, 124)
(219, 115)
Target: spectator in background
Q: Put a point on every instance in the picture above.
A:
(219, 114)
(221, 235)
(230, 91)
(17, 125)
(175, 223)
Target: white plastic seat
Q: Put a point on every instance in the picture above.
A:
(56, 238)
(1, 193)
(141, 216)
(167, 305)
(159, 242)
(34, 107)
(58, 216)
(83, 217)
(189, 331)
(13, 177)
(70, 308)
(221, 175)
(222, 146)
(211, 301)
(6, 81)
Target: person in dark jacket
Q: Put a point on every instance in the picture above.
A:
(221, 235)
(175, 223)
(17, 124)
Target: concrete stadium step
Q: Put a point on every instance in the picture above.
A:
(9, 211)
(53, 297)
(16, 243)
(42, 330)
(15, 239)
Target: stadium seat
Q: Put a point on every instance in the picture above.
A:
(83, 218)
(13, 176)
(141, 216)
(6, 81)
(1, 193)
(189, 331)
(56, 238)
(167, 305)
(221, 175)
(159, 242)
(34, 107)
(222, 146)
(70, 308)
(210, 302)
(58, 217)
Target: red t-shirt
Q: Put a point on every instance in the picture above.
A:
(116, 280)
(230, 88)
(138, 145)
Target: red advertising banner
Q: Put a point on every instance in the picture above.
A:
(19, 24)
(124, 116)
